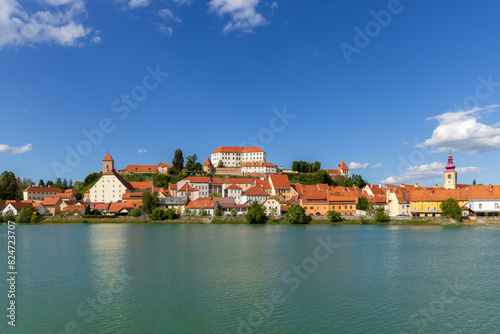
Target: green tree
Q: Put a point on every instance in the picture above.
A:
(214, 194)
(136, 212)
(91, 179)
(340, 180)
(158, 214)
(256, 214)
(24, 215)
(218, 212)
(9, 188)
(296, 215)
(40, 183)
(274, 211)
(334, 216)
(49, 183)
(178, 162)
(220, 164)
(87, 211)
(380, 216)
(171, 214)
(34, 219)
(192, 166)
(451, 208)
(9, 216)
(316, 166)
(202, 212)
(188, 212)
(362, 203)
(149, 201)
(233, 212)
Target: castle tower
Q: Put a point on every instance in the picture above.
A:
(450, 175)
(208, 167)
(107, 163)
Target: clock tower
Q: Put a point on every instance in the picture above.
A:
(450, 175)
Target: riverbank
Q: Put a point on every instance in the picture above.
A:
(240, 221)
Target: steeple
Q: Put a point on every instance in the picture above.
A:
(450, 167)
(450, 174)
(107, 163)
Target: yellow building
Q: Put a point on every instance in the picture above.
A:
(426, 202)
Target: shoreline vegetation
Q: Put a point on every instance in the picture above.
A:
(241, 221)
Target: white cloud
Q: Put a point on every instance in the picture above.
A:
(183, 2)
(357, 165)
(243, 13)
(165, 29)
(274, 5)
(141, 151)
(138, 3)
(378, 165)
(167, 14)
(58, 22)
(405, 143)
(461, 131)
(428, 172)
(15, 150)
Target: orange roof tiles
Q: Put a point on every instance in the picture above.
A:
(236, 149)
(258, 164)
(233, 186)
(142, 168)
(51, 201)
(208, 162)
(279, 181)
(107, 157)
(485, 192)
(255, 191)
(186, 186)
(44, 189)
(142, 185)
(202, 204)
(438, 194)
(263, 184)
(343, 165)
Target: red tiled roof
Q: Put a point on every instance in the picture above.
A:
(116, 207)
(279, 181)
(332, 171)
(186, 186)
(208, 162)
(44, 189)
(18, 205)
(51, 201)
(173, 186)
(315, 196)
(235, 149)
(255, 191)
(343, 165)
(132, 196)
(263, 184)
(142, 168)
(107, 157)
(142, 185)
(233, 186)
(485, 192)
(198, 179)
(164, 164)
(233, 180)
(438, 194)
(101, 206)
(74, 208)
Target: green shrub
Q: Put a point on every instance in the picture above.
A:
(334, 216)
(296, 215)
(380, 216)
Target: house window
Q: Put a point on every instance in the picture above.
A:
(497, 206)
(414, 208)
(428, 208)
(480, 206)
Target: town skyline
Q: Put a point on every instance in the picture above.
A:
(303, 81)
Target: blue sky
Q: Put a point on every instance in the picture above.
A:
(389, 87)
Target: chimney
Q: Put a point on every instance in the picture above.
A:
(187, 193)
(491, 187)
(436, 186)
(416, 185)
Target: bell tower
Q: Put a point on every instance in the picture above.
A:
(450, 175)
(107, 163)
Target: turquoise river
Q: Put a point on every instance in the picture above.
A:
(154, 278)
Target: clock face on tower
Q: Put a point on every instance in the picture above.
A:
(449, 181)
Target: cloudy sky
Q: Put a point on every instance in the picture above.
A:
(389, 87)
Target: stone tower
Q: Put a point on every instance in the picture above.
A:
(450, 175)
(107, 163)
(208, 167)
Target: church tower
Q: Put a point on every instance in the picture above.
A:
(107, 163)
(450, 175)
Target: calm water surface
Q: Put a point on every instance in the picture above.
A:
(254, 279)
